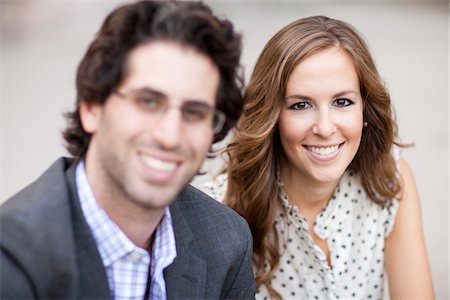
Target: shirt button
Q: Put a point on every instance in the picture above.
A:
(135, 256)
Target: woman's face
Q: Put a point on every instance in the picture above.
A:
(322, 119)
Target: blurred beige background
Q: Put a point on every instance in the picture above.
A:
(43, 41)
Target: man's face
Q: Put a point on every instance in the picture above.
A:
(139, 152)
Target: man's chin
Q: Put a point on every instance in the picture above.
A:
(154, 203)
(158, 198)
(154, 194)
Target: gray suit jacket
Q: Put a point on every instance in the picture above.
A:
(48, 251)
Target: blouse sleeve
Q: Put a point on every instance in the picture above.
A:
(390, 211)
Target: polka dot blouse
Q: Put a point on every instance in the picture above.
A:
(355, 229)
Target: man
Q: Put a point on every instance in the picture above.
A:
(156, 87)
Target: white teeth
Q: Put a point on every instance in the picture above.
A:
(323, 150)
(158, 164)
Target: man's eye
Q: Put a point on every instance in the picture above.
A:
(150, 102)
(343, 102)
(300, 106)
(196, 112)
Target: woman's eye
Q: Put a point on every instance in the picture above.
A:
(299, 106)
(343, 102)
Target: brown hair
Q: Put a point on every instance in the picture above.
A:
(191, 24)
(255, 151)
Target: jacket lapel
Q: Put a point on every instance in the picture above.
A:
(186, 276)
(92, 282)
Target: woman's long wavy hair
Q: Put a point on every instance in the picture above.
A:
(255, 151)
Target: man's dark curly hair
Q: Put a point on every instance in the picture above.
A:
(190, 24)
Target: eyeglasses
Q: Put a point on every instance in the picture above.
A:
(192, 112)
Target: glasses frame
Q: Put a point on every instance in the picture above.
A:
(219, 117)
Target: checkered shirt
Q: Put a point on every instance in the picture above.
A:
(126, 264)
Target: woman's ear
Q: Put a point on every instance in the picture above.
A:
(90, 114)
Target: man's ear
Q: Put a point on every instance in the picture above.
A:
(90, 114)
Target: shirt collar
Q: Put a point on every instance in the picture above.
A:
(328, 219)
(112, 243)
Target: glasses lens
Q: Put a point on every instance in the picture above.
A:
(151, 102)
(192, 112)
(218, 121)
(196, 112)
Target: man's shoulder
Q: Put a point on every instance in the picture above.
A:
(197, 202)
(37, 238)
(40, 211)
(213, 241)
(209, 218)
(39, 195)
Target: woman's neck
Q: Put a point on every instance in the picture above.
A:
(310, 196)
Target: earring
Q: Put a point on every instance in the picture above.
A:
(365, 124)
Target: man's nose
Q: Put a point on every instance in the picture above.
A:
(168, 126)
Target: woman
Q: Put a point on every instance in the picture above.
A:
(314, 168)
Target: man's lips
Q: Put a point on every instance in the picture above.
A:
(159, 164)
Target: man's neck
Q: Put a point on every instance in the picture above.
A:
(135, 220)
(138, 224)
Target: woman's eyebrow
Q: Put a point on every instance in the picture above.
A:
(346, 92)
(298, 97)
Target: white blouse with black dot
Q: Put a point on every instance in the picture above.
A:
(355, 229)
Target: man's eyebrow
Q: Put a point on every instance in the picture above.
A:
(159, 94)
(150, 91)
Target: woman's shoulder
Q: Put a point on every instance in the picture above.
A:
(216, 187)
(352, 194)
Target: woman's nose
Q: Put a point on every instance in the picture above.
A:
(324, 124)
